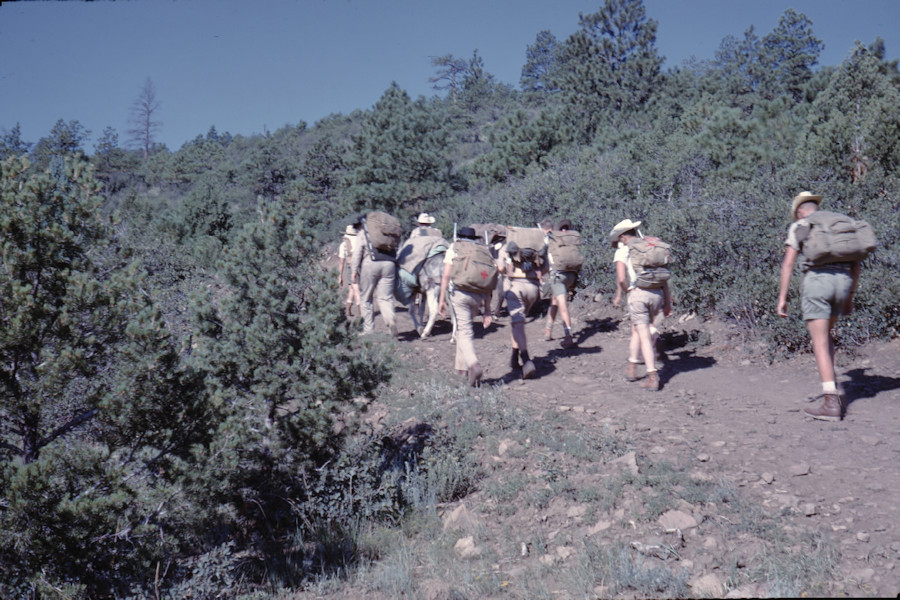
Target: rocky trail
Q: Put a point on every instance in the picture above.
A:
(727, 415)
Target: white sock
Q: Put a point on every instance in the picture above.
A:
(828, 386)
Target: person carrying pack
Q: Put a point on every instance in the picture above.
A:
(522, 264)
(349, 242)
(646, 300)
(469, 277)
(373, 268)
(831, 246)
(425, 227)
(565, 260)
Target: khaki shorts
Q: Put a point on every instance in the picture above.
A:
(644, 306)
(562, 283)
(521, 294)
(824, 292)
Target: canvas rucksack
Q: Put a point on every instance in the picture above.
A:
(834, 238)
(525, 245)
(650, 258)
(382, 231)
(565, 252)
(473, 268)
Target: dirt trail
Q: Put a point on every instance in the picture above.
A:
(725, 408)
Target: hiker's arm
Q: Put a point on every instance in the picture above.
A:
(341, 272)
(787, 269)
(854, 275)
(621, 285)
(488, 317)
(445, 283)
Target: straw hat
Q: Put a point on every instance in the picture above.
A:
(425, 219)
(350, 230)
(800, 199)
(621, 227)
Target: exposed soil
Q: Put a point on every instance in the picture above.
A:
(728, 414)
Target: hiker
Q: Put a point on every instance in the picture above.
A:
(372, 267)
(345, 252)
(424, 226)
(522, 264)
(565, 261)
(827, 293)
(644, 303)
(468, 297)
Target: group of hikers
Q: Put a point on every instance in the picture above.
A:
(487, 266)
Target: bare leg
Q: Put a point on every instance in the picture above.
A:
(823, 346)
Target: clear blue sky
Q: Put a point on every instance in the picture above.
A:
(246, 66)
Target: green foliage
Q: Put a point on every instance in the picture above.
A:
(609, 67)
(397, 162)
(98, 414)
(64, 139)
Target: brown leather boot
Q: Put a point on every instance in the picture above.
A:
(475, 373)
(652, 381)
(831, 409)
(631, 371)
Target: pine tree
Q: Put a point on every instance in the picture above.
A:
(790, 52)
(854, 123)
(398, 160)
(96, 414)
(609, 67)
(541, 62)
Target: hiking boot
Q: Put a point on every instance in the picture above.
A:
(514, 360)
(831, 409)
(548, 334)
(567, 342)
(528, 370)
(631, 371)
(393, 330)
(475, 373)
(652, 381)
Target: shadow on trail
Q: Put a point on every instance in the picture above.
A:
(863, 386)
(683, 362)
(594, 326)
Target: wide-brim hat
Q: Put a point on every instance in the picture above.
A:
(800, 199)
(425, 218)
(468, 233)
(350, 230)
(621, 227)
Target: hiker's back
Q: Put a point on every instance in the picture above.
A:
(829, 238)
(564, 250)
(650, 257)
(473, 268)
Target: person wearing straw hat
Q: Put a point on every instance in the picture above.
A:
(345, 251)
(644, 306)
(826, 294)
(425, 226)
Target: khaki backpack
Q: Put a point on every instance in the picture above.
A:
(834, 238)
(382, 231)
(473, 268)
(565, 252)
(650, 258)
(525, 245)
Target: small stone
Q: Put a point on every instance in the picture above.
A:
(862, 536)
(676, 519)
(466, 548)
(799, 469)
(809, 509)
(703, 457)
(767, 477)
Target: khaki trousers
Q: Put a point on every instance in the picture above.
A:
(466, 306)
(376, 280)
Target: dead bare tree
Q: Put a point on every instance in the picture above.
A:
(143, 112)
